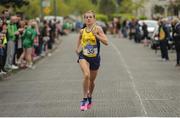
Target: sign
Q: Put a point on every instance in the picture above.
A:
(46, 3)
(46, 10)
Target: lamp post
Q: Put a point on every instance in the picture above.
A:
(41, 9)
(55, 8)
(166, 10)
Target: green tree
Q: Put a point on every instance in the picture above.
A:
(62, 8)
(136, 5)
(158, 9)
(175, 7)
(32, 10)
(102, 17)
(128, 6)
(95, 2)
(107, 7)
(119, 1)
(14, 3)
(80, 6)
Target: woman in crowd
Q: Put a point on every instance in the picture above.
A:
(28, 42)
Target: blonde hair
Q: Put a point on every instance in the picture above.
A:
(90, 11)
(175, 20)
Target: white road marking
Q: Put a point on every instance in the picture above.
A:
(130, 76)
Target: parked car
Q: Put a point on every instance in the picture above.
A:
(58, 18)
(152, 27)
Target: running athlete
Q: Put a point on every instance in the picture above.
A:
(88, 50)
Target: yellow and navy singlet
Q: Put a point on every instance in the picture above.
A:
(90, 44)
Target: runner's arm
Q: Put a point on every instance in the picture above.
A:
(78, 48)
(101, 36)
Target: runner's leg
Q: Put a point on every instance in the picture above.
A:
(86, 74)
(93, 74)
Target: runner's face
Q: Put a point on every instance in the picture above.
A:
(89, 18)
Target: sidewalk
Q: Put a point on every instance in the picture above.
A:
(35, 60)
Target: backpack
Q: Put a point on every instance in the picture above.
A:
(161, 34)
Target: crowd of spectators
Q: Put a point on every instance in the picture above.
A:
(23, 40)
(168, 34)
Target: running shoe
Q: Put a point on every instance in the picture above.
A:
(84, 105)
(89, 105)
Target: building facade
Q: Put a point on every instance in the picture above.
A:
(148, 8)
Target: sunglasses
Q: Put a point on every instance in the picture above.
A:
(86, 17)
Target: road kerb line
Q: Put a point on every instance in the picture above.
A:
(130, 76)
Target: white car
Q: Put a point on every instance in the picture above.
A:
(152, 27)
(58, 18)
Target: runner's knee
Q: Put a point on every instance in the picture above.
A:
(86, 75)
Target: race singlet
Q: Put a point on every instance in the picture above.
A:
(89, 44)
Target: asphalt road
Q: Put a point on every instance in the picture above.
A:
(132, 82)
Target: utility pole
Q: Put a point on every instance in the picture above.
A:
(41, 9)
(55, 9)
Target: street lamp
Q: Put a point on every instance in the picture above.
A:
(55, 9)
(41, 9)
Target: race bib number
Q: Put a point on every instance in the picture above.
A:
(90, 51)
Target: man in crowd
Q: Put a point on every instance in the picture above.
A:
(164, 36)
(12, 31)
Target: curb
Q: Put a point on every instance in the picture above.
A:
(5, 77)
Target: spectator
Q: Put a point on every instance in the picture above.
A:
(132, 27)
(45, 37)
(3, 31)
(145, 34)
(28, 40)
(5, 15)
(176, 37)
(3, 41)
(137, 34)
(163, 37)
(125, 29)
(12, 31)
(21, 29)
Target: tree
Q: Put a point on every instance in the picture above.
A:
(29, 11)
(107, 6)
(119, 2)
(175, 7)
(62, 8)
(80, 6)
(158, 9)
(14, 3)
(126, 6)
(95, 2)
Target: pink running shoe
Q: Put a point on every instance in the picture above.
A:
(83, 105)
(89, 105)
